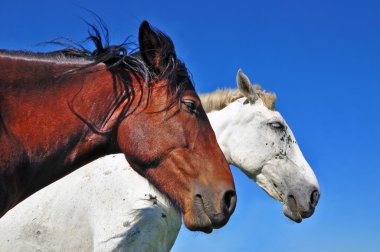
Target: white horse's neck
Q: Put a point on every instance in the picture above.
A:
(221, 125)
(226, 124)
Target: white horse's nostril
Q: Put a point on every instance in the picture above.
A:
(314, 198)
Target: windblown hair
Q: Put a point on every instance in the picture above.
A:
(223, 97)
(76, 52)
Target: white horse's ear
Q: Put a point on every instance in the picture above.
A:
(245, 87)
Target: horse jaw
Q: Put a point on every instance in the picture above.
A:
(290, 180)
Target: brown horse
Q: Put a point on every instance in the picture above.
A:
(61, 110)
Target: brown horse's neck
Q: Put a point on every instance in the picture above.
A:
(50, 126)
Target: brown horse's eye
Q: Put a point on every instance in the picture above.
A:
(190, 105)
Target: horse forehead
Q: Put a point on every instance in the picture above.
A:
(269, 114)
(258, 110)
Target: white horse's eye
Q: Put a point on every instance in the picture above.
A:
(277, 125)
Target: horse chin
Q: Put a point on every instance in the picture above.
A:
(291, 210)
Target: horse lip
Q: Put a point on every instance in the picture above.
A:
(291, 209)
(201, 205)
(217, 220)
(307, 214)
(199, 219)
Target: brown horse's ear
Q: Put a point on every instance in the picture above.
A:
(157, 49)
(245, 87)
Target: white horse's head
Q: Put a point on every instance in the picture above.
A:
(255, 137)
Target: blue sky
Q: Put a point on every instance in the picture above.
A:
(322, 58)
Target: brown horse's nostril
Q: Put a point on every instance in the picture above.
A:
(229, 201)
(314, 198)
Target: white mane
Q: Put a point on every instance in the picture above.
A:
(221, 98)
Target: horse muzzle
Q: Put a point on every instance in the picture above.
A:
(207, 213)
(295, 209)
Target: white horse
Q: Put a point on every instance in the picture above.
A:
(109, 207)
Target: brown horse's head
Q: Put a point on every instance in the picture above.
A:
(169, 140)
